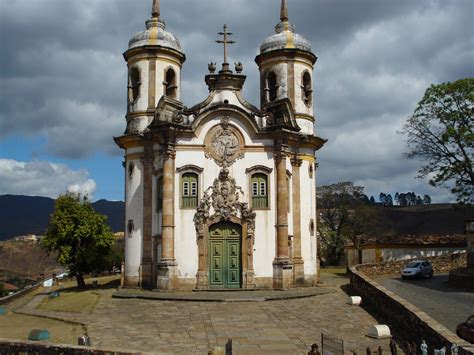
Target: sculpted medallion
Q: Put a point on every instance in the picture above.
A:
(223, 144)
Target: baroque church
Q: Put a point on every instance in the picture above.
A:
(220, 195)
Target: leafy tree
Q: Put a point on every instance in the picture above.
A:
(426, 199)
(440, 132)
(388, 200)
(372, 200)
(3, 292)
(382, 198)
(80, 237)
(344, 214)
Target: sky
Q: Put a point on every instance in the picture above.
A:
(63, 81)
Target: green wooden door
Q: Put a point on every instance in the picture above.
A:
(225, 255)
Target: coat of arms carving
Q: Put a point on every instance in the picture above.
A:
(223, 144)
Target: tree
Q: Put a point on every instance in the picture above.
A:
(372, 200)
(344, 214)
(440, 132)
(3, 291)
(426, 199)
(80, 237)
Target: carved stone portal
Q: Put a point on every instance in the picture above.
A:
(223, 205)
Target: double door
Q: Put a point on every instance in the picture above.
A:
(225, 255)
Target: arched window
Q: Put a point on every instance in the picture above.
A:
(189, 190)
(307, 89)
(259, 186)
(159, 194)
(271, 87)
(170, 83)
(134, 85)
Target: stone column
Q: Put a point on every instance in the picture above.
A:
(167, 268)
(282, 267)
(146, 276)
(298, 263)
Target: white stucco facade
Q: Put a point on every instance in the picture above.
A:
(211, 190)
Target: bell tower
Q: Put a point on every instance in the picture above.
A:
(286, 65)
(154, 59)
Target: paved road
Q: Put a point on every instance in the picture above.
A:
(446, 305)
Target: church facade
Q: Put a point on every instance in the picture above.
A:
(220, 195)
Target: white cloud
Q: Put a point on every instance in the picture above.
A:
(42, 178)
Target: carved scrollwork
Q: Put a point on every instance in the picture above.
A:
(225, 203)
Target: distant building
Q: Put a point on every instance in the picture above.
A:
(28, 238)
(390, 248)
(10, 288)
(222, 194)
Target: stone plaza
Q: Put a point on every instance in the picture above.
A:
(274, 327)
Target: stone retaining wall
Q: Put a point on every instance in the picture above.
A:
(19, 294)
(441, 264)
(11, 347)
(408, 322)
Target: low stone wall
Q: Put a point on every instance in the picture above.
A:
(408, 322)
(16, 295)
(11, 347)
(441, 264)
(462, 278)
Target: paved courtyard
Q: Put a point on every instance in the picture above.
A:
(274, 327)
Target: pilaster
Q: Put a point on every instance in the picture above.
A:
(282, 266)
(146, 276)
(167, 268)
(298, 263)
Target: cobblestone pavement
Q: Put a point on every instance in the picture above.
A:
(272, 327)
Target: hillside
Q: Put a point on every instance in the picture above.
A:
(436, 219)
(26, 258)
(20, 215)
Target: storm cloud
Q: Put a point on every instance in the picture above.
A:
(62, 75)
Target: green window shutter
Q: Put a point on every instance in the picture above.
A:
(189, 190)
(259, 191)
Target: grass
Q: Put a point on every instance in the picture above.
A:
(75, 300)
(17, 327)
(71, 301)
(336, 270)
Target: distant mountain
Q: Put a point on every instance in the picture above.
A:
(20, 215)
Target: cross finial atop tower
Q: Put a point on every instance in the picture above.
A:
(284, 11)
(155, 10)
(225, 42)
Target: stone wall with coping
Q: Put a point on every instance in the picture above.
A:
(13, 347)
(441, 264)
(405, 320)
(19, 294)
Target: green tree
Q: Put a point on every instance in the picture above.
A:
(344, 214)
(440, 132)
(3, 292)
(79, 235)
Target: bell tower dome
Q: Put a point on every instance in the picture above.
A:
(286, 65)
(154, 59)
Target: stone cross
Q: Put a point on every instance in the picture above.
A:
(155, 11)
(225, 42)
(284, 11)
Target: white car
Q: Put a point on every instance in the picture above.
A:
(418, 268)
